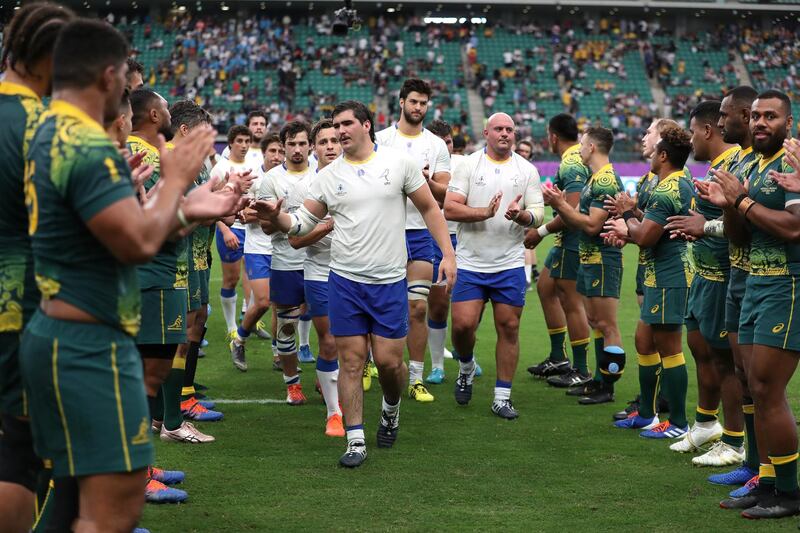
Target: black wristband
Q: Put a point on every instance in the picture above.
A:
(739, 200)
(627, 215)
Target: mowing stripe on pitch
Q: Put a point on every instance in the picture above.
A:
(247, 401)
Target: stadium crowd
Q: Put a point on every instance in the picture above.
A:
(374, 237)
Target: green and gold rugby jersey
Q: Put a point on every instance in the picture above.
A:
(740, 255)
(198, 241)
(644, 187)
(73, 172)
(710, 254)
(169, 268)
(572, 175)
(20, 109)
(592, 250)
(769, 255)
(667, 263)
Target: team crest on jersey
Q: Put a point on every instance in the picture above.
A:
(385, 177)
(481, 181)
(340, 190)
(515, 179)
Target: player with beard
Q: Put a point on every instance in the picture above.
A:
(767, 215)
(316, 269)
(431, 154)
(286, 288)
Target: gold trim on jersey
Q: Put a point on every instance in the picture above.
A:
(9, 88)
(367, 160)
(572, 150)
(139, 140)
(60, 107)
(401, 134)
(724, 155)
(744, 152)
(764, 163)
(497, 161)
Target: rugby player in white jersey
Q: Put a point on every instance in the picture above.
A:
(286, 289)
(495, 195)
(230, 239)
(257, 253)
(365, 192)
(257, 124)
(317, 245)
(433, 158)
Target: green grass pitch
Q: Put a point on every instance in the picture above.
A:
(559, 467)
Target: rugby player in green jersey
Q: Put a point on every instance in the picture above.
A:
(707, 335)
(667, 278)
(766, 215)
(600, 270)
(82, 372)
(557, 286)
(734, 125)
(27, 66)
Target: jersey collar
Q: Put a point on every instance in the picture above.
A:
(574, 149)
(675, 175)
(745, 152)
(401, 134)
(15, 89)
(763, 163)
(367, 160)
(137, 139)
(498, 162)
(724, 155)
(62, 107)
(294, 172)
(608, 167)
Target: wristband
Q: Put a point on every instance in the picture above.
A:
(627, 215)
(739, 200)
(744, 206)
(542, 230)
(748, 208)
(182, 218)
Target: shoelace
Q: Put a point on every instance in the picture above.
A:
(661, 428)
(356, 447)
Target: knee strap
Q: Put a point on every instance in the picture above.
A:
(288, 317)
(419, 289)
(612, 363)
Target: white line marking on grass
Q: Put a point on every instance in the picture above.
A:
(247, 401)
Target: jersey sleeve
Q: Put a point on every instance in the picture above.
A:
(573, 178)
(660, 206)
(605, 185)
(443, 161)
(533, 192)
(97, 182)
(459, 181)
(267, 189)
(412, 176)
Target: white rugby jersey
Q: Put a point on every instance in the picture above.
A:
(254, 156)
(318, 255)
(495, 244)
(279, 183)
(427, 150)
(255, 240)
(367, 200)
(224, 166)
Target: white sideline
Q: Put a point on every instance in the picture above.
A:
(247, 401)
